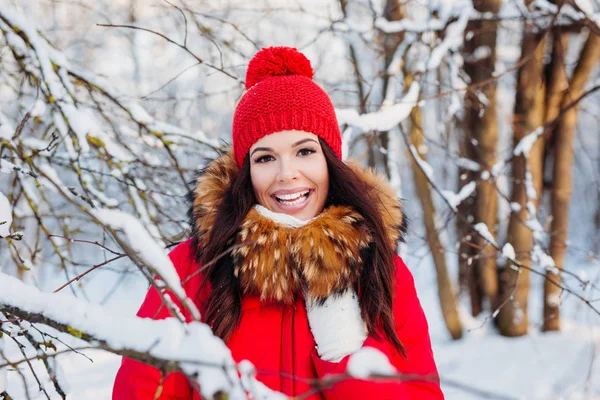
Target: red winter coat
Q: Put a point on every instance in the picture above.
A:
(278, 341)
(317, 260)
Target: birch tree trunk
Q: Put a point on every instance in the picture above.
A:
(512, 318)
(562, 177)
(481, 138)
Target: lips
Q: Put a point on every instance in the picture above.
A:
(292, 197)
(292, 200)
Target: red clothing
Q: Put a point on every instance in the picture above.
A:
(278, 341)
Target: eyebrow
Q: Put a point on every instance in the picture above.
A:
(298, 143)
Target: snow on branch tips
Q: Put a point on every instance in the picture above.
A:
(5, 216)
(484, 231)
(424, 165)
(384, 119)
(83, 144)
(151, 253)
(166, 344)
(454, 199)
(524, 146)
(452, 41)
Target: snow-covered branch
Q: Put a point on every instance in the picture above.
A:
(483, 231)
(168, 344)
(542, 12)
(82, 145)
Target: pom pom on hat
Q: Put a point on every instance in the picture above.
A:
(277, 61)
(281, 96)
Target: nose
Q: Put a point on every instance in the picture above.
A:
(288, 170)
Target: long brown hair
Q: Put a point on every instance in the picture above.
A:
(222, 309)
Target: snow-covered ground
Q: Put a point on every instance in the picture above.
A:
(482, 365)
(556, 366)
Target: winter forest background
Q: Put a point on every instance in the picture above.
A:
(483, 114)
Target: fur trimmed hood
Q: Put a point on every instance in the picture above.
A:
(277, 261)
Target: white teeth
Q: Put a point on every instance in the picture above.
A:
(291, 197)
(294, 202)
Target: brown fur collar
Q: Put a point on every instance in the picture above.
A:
(324, 256)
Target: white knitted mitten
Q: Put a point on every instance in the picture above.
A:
(336, 325)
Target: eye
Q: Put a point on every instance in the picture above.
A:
(264, 159)
(307, 151)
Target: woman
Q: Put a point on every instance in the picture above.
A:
(313, 275)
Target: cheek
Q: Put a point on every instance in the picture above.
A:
(324, 186)
(320, 177)
(261, 182)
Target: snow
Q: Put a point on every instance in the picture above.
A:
(482, 52)
(498, 167)
(524, 146)
(395, 163)
(34, 143)
(256, 388)
(553, 299)
(453, 39)
(348, 134)
(386, 118)
(408, 25)
(454, 199)
(139, 113)
(508, 251)
(515, 207)
(559, 365)
(52, 176)
(198, 351)
(149, 251)
(543, 259)
(59, 374)
(484, 231)
(537, 367)
(425, 167)
(38, 109)
(143, 210)
(3, 371)
(6, 132)
(107, 201)
(368, 362)
(530, 188)
(446, 10)
(5, 216)
(468, 164)
(533, 223)
(53, 85)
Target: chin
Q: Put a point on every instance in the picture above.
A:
(305, 216)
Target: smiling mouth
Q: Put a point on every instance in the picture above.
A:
(292, 199)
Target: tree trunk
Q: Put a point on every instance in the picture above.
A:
(394, 10)
(446, 293)
(563, 165)
(557, 81)
(468, 274)
(482, 137)
(526, 172)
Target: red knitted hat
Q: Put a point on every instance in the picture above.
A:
(281, 95)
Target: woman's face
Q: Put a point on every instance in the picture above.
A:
(289, 173)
